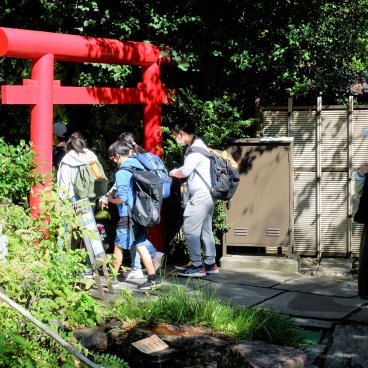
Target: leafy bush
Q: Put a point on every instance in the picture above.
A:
(44, 279)
(16, 176)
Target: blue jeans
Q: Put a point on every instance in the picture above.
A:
(134, 255)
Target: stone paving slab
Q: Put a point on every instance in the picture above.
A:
(313, 306)
(192, 283)
(335, 267)
(311, 323)
(322, 286)
(242, 295)
(360, 316)
(253, 277)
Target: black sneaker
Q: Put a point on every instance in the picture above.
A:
(150, 284)
(193, 271)
(211, 268)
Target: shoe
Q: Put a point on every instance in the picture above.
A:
(133, 274)
(87, 275)
(158, 260)
(116, 284)
(150, 284)
(211, 268)
(193, 271)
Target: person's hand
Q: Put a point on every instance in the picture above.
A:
(364, 169)
(173, 172)
(102, 205)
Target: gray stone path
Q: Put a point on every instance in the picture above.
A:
(322, 298)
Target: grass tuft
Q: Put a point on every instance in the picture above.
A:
(175, 304)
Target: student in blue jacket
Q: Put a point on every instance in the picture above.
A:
(129, 234)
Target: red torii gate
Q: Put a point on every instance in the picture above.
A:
(42, 92)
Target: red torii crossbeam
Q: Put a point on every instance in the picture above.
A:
(42, 92)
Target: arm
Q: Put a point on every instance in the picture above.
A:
(123, 184)
(103, 201)
(190, 163)
(360, 178)
(64, 181)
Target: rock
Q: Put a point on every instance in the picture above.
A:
(94, 338)
(258, 354)
(202, 348)
(349, 347)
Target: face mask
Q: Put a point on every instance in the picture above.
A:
(179, 142)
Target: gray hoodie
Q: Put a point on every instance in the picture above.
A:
(68, 169)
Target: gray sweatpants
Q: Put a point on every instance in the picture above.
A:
(197, 228)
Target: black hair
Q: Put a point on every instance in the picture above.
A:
(76, 142)
(119, 148)
(129, 139)
(186, 126)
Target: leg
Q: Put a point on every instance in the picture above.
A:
(118, 258)
(363, 264)
(195, 214)
(135, 258)
(151, 249)
(140, 244)
(208, 240)
(146, 259)
(136, 271)
(157, 257)
(122, 241)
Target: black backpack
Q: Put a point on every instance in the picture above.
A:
(153, 163)
(224, 173)
(148, 188)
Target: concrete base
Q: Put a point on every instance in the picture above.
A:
(231, 262)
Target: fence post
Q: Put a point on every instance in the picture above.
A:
(318, 173)
(350, 173)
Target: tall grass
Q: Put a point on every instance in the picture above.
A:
(176, 305)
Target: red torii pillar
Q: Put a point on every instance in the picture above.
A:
(42, 92)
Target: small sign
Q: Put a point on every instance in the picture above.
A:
(150, 345)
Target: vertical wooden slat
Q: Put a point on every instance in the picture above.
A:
(318, 173)
(350, 173)
(290, 117)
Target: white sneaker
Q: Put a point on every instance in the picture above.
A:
(114, 283)
(158, 260)
(134, 274)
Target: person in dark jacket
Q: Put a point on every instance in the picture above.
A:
(59, 132)
(361, 189)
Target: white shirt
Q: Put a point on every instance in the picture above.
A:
(195, 163)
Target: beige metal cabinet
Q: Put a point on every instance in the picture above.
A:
(261, 214)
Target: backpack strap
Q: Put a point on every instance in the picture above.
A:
(195, 149)
(130, 215)
(204, 152)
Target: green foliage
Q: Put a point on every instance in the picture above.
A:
(44, 279)
(218, 121)
(18, 350)
(16, 178)
(110, 361)
(202, 308)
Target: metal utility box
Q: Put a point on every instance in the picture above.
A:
(261, 213)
